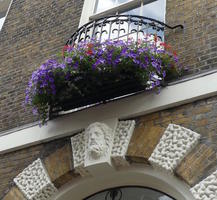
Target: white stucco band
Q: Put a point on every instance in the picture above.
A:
(129, 107)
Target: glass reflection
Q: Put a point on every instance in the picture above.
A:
(155, 10)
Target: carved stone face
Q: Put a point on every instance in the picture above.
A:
(97, 146)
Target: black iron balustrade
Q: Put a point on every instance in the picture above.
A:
(116, 27)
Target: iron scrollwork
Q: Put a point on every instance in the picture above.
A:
(117, 27)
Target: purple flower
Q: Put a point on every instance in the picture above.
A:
(108, 56)
(76, 65)
(124, 52)
(136, 61)
(62, 66)
(35, 111)
(143, 65)
(98, 62)
(68, 76)
(176, 59)
(81, 57)
(132, 55)
(68, 60)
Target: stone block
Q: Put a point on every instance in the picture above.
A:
(34, 182)
(59, 162)
(144, 140)
(174, 145)
(196, 164)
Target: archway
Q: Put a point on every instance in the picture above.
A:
(135, 175)
(129, 193)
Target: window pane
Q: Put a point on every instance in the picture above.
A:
(102, 5)
(155, 10)
(135, 11)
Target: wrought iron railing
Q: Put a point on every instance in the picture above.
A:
(120, 26)
(112, 27)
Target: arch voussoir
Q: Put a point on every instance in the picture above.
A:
(206, 189)
(34, 182)
(42, 179)
(173, 147)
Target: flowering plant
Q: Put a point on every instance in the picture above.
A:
(87, 67)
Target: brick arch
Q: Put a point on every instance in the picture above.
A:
(171, 149)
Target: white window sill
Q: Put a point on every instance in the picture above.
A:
(173, 95)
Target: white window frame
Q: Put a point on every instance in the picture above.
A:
(3, 21)
(89, 7)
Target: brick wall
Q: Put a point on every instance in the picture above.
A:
(11, 164)
(197, 43)
(199, 116)
(33, 31)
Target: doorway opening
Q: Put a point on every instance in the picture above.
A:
(129, 193)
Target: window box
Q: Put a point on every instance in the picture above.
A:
(95, 71)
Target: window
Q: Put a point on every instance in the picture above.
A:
(155, 9)
(101, 8)
(130, 26)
